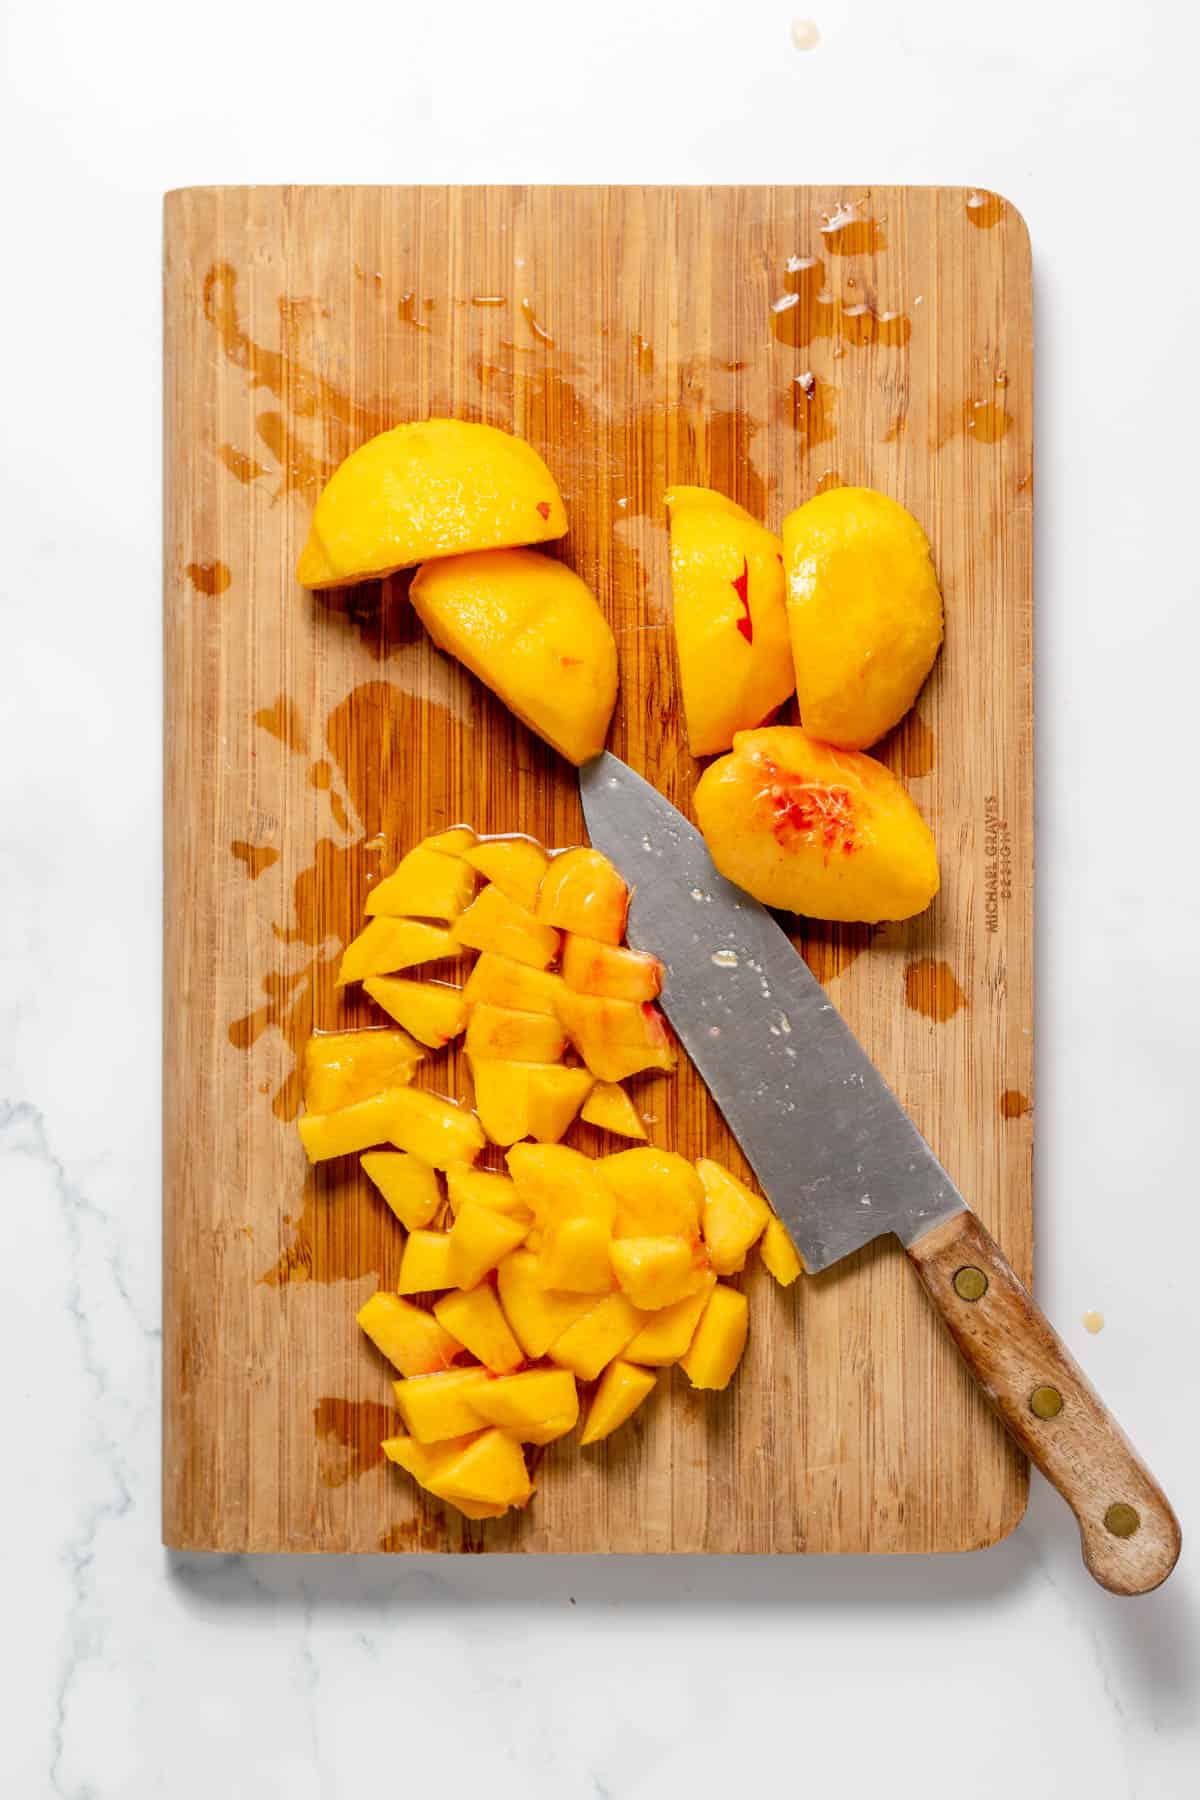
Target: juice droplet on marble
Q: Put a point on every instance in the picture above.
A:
(804, 34)
(1093, 1322)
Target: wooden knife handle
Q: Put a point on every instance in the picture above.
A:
(1131, 1537)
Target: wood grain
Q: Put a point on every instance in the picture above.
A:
(1130, 1536)
(637, 337)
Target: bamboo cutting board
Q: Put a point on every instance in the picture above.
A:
(768, 342)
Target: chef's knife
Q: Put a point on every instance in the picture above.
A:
(842, 1163)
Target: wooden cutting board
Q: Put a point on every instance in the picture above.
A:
(769, 342)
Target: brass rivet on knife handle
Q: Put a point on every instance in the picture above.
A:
(1049, 1406)
(970, 1284)
(1121, 1519)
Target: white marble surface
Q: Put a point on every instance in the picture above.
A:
(128, 1674)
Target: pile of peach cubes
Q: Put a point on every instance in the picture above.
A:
(516, 1286)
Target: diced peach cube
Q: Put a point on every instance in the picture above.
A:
(426, 885)
(733, 1219)
(500, 981)
(479, 1238)
(515, 864)
(476, 1320)
(575, 1257)
(412, 1340)
(590, 967)
(436, 1407)
(436, 1130)
(597, 1337)
(495, 923)
(581, 891)
(667, 1335)
(432, 1010)
(386, 945)
(485, 1187)
(535, 1407)
(609, 1108)
(555, 1096)
(556, 1183)
(720, 1338)
(425, 1463)
(536, 1315)
(409, 1186)
(490, 1470)
(658, 1193)
(779, 1253)
(657, 1271)
(616, 1038)
(425, 1265)
(343, 1067)
(622, 1389)
(499, 1033)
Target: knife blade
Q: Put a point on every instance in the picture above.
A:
(840, 1159)
(843, 1164)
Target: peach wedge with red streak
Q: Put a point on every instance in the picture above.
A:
(828, 833)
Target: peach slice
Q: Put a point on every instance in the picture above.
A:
(409, 1186)
(865, 613)
(731, 628)
(582, 892)
(659, 1194)
(495, 923)
(386, 945)
(720, 1339)
(779, 1254)
(734, 1217)
(530, 629)
(622, 1389)
(609, 1108)
(667, 1334)
(590, 967)
(499, 1032)
(515, 864)
(616, 1038)
(516, 1100)
(597, 1337)
(828, 833)
(537, 1315)
(432, 488)
(657, 1271)
(475, 1319)
(341, 1067)
(411, 1339)
(432, 1011)
(425, 1265)
(534, 1407)
(425, 885)
(499, 981)
(437, 1407)
(480, 1238)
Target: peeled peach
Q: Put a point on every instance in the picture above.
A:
(621, 1391)
(436, 487)
(531, 631)
(731, 630)
(828, 833)
(865, 613)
